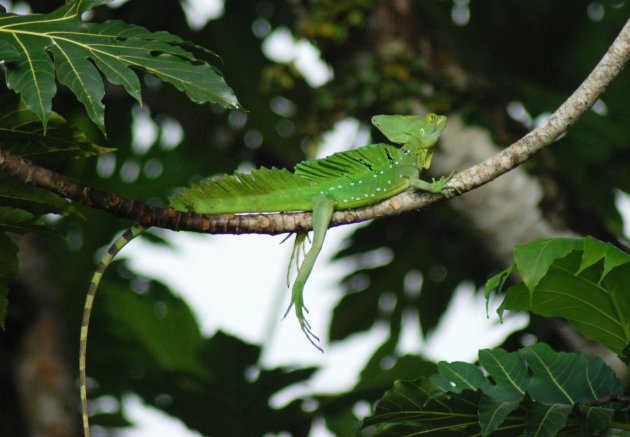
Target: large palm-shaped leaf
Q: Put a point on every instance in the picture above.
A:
(80, 50)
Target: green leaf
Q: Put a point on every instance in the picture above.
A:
(20, 221)
(583, 281)
(156, 324)
(8, 53)
(533, 259)
(458, 376)
(8, 271)
(374, 378)
(13, 216)
(419, 407)
(546, 420)
(14, 192)
(567, 378)
(17, 220)
(492, 413)
(114, 47)
(508, 372)
(516, 297)
(594, 420)
(21, 133)
(497, 281)
(555, 382)
(32, 74)
(77, 73)
(595, 250)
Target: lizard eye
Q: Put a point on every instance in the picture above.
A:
(432, 117)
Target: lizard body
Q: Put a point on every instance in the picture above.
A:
(344, 180)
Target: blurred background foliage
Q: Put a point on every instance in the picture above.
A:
(478, 59)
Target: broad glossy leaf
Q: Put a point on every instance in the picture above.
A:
(594, 419)
(533, 259)
(492, 413)
(556, 382)
(31, 74)
(75, 71)
(419, 407)
(81, 49)
(595, 251)
(546, 420)
(508, 371)
(8, 53)
(583, 281)
(567, 378)
(458, 376)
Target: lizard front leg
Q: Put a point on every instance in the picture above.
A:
(437, 187)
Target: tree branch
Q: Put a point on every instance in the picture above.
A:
(609, 399)
(565, 116)
(557, 123)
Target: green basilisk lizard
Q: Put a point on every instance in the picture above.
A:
(344, 180)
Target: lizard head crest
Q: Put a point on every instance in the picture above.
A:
(411, 130)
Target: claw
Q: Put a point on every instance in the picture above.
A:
(297, 300)
(440, 185)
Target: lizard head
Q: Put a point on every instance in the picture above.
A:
(432, 128)
(417, 134)
(424, 142)
(411, 130)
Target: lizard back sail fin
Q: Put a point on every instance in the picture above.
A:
(348, 164)
(271, 190)
(258, 191)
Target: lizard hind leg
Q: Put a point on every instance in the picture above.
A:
(322, 213)
(299, 247)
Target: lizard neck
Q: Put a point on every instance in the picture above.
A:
(417, 156)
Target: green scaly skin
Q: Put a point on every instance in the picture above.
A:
(344, 180)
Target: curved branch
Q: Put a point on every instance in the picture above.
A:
(557, 123)
(565, 116)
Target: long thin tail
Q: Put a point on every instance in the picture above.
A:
(125, 238)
